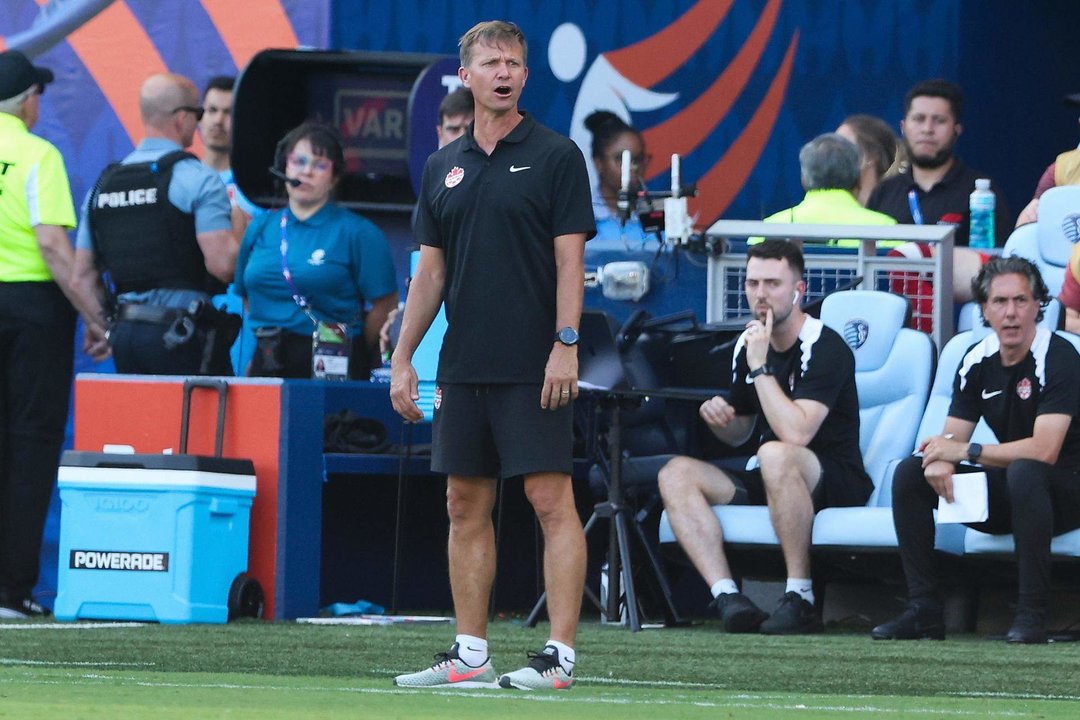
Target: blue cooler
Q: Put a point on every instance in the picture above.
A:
(159, 538)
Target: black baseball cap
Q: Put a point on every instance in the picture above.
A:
(17, 74)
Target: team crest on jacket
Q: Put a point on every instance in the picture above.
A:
(455, 176)
(1023, 389)
(438, 397)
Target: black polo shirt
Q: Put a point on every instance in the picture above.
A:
(495, 218)
(1011, 398)
(946, 203)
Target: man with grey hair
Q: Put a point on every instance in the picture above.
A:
(159, 223)
(829, 168)
(37, 327)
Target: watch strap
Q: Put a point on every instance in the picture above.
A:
(763, 370)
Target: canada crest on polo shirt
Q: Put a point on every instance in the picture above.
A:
(454, 177)
(1023, 389)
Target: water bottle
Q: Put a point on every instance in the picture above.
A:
(603, 598)
(981, 204)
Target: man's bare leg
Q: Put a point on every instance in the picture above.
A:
(790, 473)
(552, 498)
(689, 488)
(471, 548)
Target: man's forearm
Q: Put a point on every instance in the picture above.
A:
(59, 257)
(570, 281)
(785, 417)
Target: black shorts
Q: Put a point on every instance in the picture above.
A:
(499, 431)
(838, 486)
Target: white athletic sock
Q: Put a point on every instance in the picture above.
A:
(566, 655)
(472, 650)
(724, 586)
(803, 586)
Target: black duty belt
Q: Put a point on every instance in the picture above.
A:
(155, 314)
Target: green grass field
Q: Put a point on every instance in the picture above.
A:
(283, 670)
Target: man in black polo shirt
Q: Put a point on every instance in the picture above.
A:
(503, 216)
(1022, 380)
(937, 186)
(793, 381)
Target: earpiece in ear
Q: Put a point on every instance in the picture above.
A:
(795, 298)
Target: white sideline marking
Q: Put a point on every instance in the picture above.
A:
(659, 683)
(742, 701)
(50, 663)
(1014, 695)
(70, 626)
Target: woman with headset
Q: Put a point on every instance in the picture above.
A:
(318, 280)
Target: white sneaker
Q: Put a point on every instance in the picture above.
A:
(544, 672)
(22, 610)
(450, 670)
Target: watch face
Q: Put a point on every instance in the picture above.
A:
(568, 336)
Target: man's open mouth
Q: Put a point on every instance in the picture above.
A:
(503, 91)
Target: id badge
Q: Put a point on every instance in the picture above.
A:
(330, 351)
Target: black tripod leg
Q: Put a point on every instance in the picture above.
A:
(406, 433)
(626, 563)
(498, 533)
(670, 613)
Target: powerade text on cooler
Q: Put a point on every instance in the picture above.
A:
(982, 204)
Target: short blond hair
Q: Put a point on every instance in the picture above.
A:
(491, 32)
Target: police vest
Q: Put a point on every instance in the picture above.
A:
(140, 238)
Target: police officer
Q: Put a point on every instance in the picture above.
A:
(37, 327)
(158, 226)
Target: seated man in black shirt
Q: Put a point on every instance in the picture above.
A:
(796, 378)
(1022, 380)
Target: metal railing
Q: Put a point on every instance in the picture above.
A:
(926, 281)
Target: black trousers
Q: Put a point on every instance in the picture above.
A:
(1032, 500)
(37, 345)
(139, 348)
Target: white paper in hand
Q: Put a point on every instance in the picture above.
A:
(969, 503)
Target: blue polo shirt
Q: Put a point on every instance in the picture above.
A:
(337, 259)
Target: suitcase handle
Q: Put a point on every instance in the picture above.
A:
(222, 388)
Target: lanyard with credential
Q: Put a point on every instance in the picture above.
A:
(299, 299)
(912, 201)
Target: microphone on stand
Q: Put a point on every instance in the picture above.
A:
(283, 177)
(675, 176)
(624, 189)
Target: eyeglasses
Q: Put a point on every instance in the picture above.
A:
(301, 163)
(198, 112)
(638, 160)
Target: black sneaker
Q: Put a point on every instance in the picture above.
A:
(919, 621)
(794, 616)
(24, 609)
(739, 613)
(1027, 629)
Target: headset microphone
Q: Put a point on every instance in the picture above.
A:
(282, 176)
(795, 298)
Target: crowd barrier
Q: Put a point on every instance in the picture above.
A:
(926, 281)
